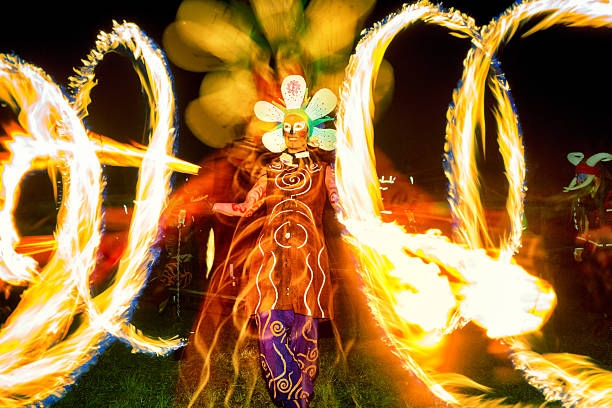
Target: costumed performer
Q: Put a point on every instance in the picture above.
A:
(288, 284)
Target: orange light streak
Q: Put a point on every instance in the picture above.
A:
(35, 245)
(39, 359)
(109, 152)
(114, 153)
(480, 285)
(407, 277)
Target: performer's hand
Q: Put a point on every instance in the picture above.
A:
(578, 254)
(182, 214)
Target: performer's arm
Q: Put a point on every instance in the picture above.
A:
(254, 200)
(332, 191)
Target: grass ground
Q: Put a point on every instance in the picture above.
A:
(123, 379)
(370, 376)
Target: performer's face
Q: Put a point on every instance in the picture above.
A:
(295, 131)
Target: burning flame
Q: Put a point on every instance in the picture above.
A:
(422, 286)
(40, 358)
(402, 273)
(570, 379)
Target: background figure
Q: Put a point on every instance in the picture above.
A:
(218, 177)
(592, 223)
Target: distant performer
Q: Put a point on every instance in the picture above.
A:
(592, 221)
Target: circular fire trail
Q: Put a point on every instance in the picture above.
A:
(422, 286)
(43, 347)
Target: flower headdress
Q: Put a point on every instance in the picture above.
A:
(294, 92)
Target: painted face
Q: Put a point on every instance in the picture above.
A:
(593, 186)
(295, 131)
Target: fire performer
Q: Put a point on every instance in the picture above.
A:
(245, 175)
(287, 286)
(289, 269)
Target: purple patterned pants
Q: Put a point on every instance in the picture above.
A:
(289, 354)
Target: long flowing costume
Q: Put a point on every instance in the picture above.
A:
(288, 284)
(285, 282)
(290, 266)
(288, 287)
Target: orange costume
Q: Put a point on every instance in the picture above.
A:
(288, 287)
(290, 267)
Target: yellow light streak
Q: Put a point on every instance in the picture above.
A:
(39, 357)
(421, 286)
(109, 152)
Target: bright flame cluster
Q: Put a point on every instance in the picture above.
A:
(422, 286)
(43, 347)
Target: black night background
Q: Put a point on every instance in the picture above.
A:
(559, 80)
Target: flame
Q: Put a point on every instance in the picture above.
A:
(35, 245)
(571, 379)
(39, 357)
(407, 277)
(114, 153)
(421, 286)
(108, 151)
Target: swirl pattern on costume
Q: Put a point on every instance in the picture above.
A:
(283, 385)
(276, 165)
(291, 247)
(297, 180)
(290, 361)
(313, 354)
(277, 329)
(306, 332)
(290, 205)
(298, 237)
(311, 371)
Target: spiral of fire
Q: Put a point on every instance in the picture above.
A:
(43, 347)
(422, 286)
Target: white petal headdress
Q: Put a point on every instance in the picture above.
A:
(294, 93)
